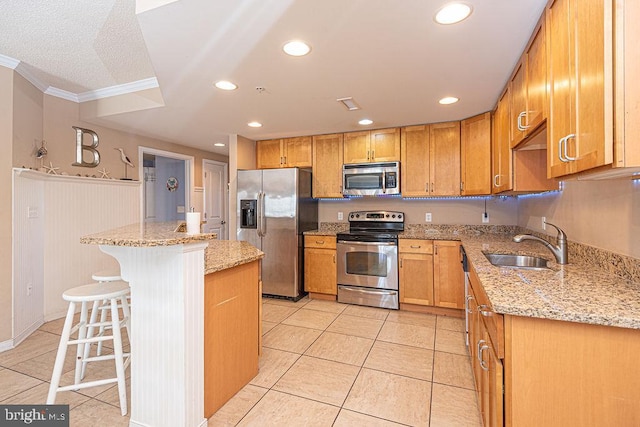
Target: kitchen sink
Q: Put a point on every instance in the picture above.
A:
(517, 261)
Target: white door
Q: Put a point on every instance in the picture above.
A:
(215, 198)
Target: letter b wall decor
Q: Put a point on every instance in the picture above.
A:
(81, 148)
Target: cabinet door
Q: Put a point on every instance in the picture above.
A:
(320, 273)
(385, 145)
(297, 152)
(518, 111)
(560, 63)
(448, 282)
(445, 159)
(356, 147)
(475, 142)
(327, 165)
(269, 154)
(491, 382)
(537, 80)
(501, 150)
(414, 164)
(416, 278)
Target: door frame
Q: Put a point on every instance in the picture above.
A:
(226, 196)
(188, 172)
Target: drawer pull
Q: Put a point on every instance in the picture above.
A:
(484, 310)
(416, 246)
(320, 242)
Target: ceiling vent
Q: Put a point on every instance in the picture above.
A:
(349, 103)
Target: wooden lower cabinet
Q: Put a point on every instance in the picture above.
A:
(320, 274)
(232, 302)
(541, 372)
(415, 270)
(430, 273)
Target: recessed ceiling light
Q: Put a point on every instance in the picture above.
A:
(296, 48)
(219, 144)
(453, 13)
(365, 122)
(448, 100)
(255, 124)
(226, 85)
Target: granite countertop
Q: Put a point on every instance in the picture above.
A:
(223, 254)
(581, 291)
(146, 234)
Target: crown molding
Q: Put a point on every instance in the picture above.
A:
(60, 93)
(123, 89)
(8, 62)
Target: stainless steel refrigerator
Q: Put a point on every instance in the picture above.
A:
(275, 207)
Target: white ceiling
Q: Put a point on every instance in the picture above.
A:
(389, 55)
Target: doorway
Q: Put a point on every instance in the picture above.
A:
(216, 193)
(166, 189)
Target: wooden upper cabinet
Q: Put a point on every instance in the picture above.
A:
(298, 152)
(286, 152)
(528, 87)
(518, 108)
(475, 146)
(414, 163)
(445, 159)
(579, 60)
(501, 148)
(327, 165)
(430, 164)
(381, 145)
(269, 154)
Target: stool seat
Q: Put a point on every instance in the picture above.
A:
(96, 291)
(106, 276)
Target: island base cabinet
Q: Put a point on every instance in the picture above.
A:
(570, 374)
(231, 333)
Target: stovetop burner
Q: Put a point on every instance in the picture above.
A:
(374, 226)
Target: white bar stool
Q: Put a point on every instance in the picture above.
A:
(93, 293)
(101, 277)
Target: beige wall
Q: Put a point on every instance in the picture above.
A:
(502, 211)
(59, 117)
(6, 145)
(603, 214)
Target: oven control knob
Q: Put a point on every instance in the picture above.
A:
(357, 215)
(351, 216)
(393, 216)
(399, 216)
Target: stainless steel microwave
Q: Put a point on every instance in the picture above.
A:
(371, 179)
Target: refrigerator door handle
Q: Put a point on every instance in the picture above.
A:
(262, 226)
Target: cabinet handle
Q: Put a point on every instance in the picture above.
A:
(368, 157)
(561, 149)
(373, 154)
(495, 180)
(481, 349)
(461, 186)
(564, 152)
(334, 258)
(400, 262)
(522, 127)
(285, 160)
(432, 187)
(484, 310)
(416, 246)
(435, 249)
(320, 242)
(469, 298)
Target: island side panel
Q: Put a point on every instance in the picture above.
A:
(231, 333)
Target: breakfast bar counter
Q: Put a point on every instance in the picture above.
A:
(166, 270)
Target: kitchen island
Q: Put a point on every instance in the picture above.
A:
(166, 270)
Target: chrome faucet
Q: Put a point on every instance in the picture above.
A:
(560, 251)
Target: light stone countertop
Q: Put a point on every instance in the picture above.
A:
(580, 291)
(219, 254)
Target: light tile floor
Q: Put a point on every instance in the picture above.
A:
(323, 364)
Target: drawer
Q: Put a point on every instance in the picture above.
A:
(416, 246)
(493, 321)
(326, 242)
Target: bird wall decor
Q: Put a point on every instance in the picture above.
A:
(127, 162)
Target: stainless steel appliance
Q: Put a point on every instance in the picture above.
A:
(467, 296)
(368, 259)
(275, 207)
(371, 179)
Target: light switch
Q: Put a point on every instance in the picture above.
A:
(32, 212)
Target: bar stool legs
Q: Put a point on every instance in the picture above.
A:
(115, 293)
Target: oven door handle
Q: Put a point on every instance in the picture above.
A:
(369, 291)
(348, 242)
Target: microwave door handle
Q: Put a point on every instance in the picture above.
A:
(384, 182)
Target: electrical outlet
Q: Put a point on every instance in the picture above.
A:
(544, 222)
(340, 216)
(427, 217)
(485, 217)
(32, 212)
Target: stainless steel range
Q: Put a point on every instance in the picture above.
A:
(368, 259)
